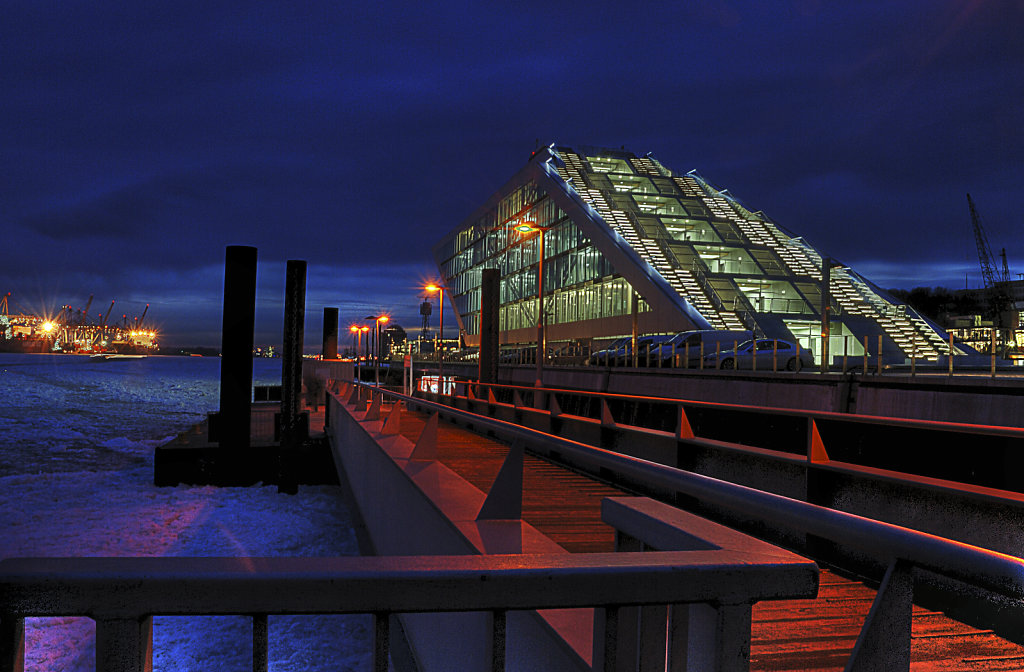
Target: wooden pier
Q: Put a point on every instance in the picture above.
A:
(796, 635)
(194, 458)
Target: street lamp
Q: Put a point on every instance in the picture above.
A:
(440, 333)
(378, 319)
(357, 333)
(366, 346)
(524, 228)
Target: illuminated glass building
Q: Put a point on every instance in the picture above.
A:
(623, 234)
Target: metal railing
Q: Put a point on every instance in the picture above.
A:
(123, 594)
(898, 547)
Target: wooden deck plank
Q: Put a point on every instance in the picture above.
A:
(793, 635)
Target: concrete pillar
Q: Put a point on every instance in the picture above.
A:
(489, 299)
(330, 342)
(236, 346)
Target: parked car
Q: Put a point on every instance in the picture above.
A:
(787, 356)
(610, 351)
(620, 351)
(687, 345)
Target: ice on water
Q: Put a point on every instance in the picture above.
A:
(76, 473)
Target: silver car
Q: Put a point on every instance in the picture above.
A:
(785, 354)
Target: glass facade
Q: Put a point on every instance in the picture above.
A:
(621, 229)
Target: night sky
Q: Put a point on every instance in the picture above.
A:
(139, 139)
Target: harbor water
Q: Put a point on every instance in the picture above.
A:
(76, 479)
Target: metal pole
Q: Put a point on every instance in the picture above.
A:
(440, 350)
(540, 311)
(993, 346)
(950, 362)
(376, 360)
(826, 307)
(359, 345)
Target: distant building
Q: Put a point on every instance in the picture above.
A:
(626, 238)
(1005, 330)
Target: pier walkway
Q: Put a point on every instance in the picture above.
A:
(805, 635)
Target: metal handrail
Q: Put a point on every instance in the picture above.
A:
(910, 423)
(123, 594)
(974, 565)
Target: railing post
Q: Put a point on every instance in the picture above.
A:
(950, 358)
(124, 644)
(498, 622)
(884, 641)
(709, 637)
(260, 637)
(12, 644)
(651, 647)
(993, 350)
(381, 641)
(606, 639)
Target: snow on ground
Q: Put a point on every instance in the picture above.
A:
(120, 513)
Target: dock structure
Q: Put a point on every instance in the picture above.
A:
(804, 634)
(532, 528)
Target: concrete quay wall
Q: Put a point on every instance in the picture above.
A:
(414, 507)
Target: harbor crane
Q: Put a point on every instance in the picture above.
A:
(996, 279)
(989, 273)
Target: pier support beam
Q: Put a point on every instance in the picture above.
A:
(236, 346)
(330, 341)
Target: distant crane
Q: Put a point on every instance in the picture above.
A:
(988, 271)
(143, 318)
(103, 322)
(997, 280)
(85, 311)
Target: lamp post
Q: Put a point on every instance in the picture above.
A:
(366, 348)
(526, 227)
(357, 333)
(378, 319)
(440, 336)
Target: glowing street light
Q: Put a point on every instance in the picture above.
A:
(357, 334)
(378, 319)
(525, 228)
(440, 332)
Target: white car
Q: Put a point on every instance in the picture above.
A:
(786, 355)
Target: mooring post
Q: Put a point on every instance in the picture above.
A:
(330, 342)
(489, 281)
(330, 348)
(236, 347)
(291, 371)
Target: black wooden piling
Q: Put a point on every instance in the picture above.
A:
(489, 280)
(330, 342)
(292, 429)
(236, 346)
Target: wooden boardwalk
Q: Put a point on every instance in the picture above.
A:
(793, 635)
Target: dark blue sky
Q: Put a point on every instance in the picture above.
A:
(139, 139)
